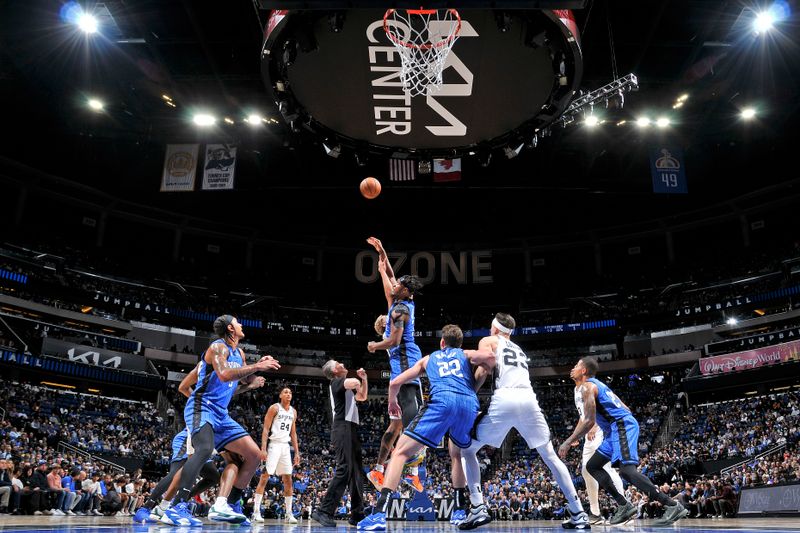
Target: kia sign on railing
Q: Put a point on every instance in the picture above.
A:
(89, 355)
(734, 362)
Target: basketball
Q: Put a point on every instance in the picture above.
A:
(370, 188)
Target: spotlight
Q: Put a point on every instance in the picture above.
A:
(748, 113)
(678, 105)
(204, 119)
(621, 122)
(592, 121)
(731, 321)
(643, 122)
(662, 122)
(764, 22)
(87, 23)
(166, 98)
(683, 97)
(228, 120)
(95, 104)
(333, 150)
(511, 153)
(253, 120)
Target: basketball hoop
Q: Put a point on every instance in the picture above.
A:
(423, 39)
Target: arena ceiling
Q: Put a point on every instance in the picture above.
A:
(205, 55)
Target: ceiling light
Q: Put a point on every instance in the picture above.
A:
(748, 113)
(662, 122)
(165, 97)
(170, 103)
(333, 150)
(731, 321)
(621, 122)
(643, 122)
(678, 104)
(253, 120)
(87, 23)
(592, 120)
(511, 153)
(204, 119)
(228, 120)
(764, 22)
(683, 97)
(95, 104)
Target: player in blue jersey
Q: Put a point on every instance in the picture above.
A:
(398, 340)
(620, 445)
(451, 409)
(210, 426)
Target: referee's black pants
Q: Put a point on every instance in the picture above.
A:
(349, 470)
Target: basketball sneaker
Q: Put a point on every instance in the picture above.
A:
(290, 519)
(376, 478)
(256, 517)
(595, 519)
(623, 514)
(478, 516)
(458, 516)
(222, 512)
(237, 508)
(179, 515)
(576, 521)
(143, 516)
(671, 515)
(414, 482)
(374, 522)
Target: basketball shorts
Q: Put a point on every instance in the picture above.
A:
(402, 357)
(621, 444)
(226, 429)
(279, 459)
(453, 414)
(410, 399)
(512, 408)
(591, 446)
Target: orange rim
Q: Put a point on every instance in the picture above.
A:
(428, 46)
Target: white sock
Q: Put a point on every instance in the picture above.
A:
(257, 503)
(287, 500)
(379, 468)
(221, 502)
(164, 505)
(592, 489)
(560, 472)
(413, 470)
(472, 470)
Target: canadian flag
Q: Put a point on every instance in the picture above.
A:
(445, 170)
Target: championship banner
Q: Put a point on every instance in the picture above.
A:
(89, 355)
(667, 169)
(219, 168)
(180, 165)
(734, 362)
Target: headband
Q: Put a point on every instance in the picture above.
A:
(500, 327)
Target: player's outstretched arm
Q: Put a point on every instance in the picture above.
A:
(250, 383)
(482, 357)
(384, 268)
(217, 356)
(585, 423)
(400, 315)
(188, 382)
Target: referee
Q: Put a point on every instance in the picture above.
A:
(344, 393)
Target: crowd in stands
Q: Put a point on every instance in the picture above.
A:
(515, 482)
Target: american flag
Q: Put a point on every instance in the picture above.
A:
(401, 170)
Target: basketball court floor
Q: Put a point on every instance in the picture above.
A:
(30, 524)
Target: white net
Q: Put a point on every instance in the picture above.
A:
(423, 38)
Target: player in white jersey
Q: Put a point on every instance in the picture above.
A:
(593, 441)
(280, 427)
(513, 405)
